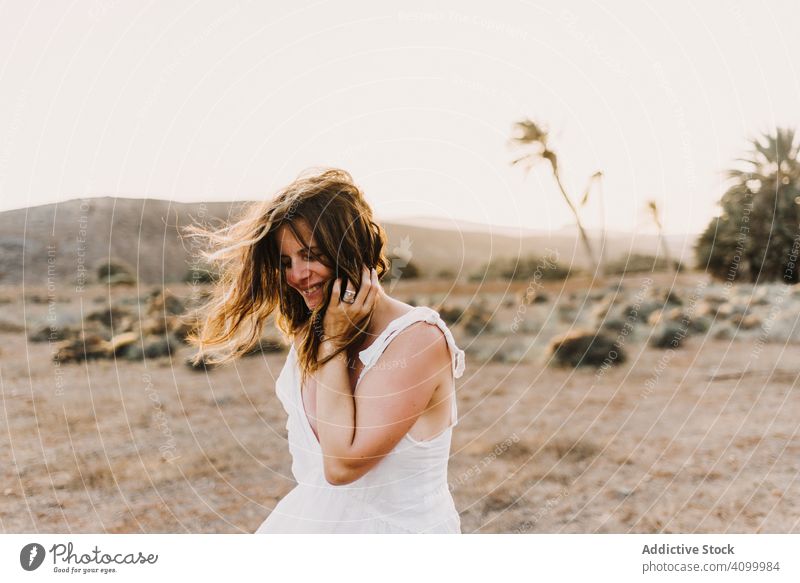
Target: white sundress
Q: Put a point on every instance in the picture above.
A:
(406, 492)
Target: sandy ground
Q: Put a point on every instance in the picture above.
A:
(686, 445)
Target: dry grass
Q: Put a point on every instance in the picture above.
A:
(156, 447)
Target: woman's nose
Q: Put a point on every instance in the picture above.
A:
(299, 272)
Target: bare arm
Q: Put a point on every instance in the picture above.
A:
(357, 431)
(336, 409)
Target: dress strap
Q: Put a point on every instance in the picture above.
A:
(370, 355)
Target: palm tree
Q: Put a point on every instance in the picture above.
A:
(655, 213)
(757, 233)
(598, 177)
(533, 138)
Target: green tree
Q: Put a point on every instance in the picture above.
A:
(756, 236)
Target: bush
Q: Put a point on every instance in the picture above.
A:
(639, 263)
(402, 268)
(528, 268)
(668, 335)
(108, 315)
(585, 348)
(450, 314)
(152, 347)
(200, 275)
(115, 272)
(476, 319)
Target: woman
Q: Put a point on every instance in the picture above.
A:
(369, 382)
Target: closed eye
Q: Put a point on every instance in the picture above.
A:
(306, 256)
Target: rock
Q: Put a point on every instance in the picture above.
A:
(122, 341)
(109, 315)
(125, 279)
(200, 364)
(724, 332)
(714, 298)
(666, 296)
(601, 309)
(88, 346)
(165, 303)
(729, 309)
(623, 493)
(761, 296)
(784, 331)
(700, 325)
(668, 335)
(613, 325)
(642, 311)
(705, 309)
(655, 318)
(154, 326)
(154, 347)
(748, 322)
(596, 296)
(567, 312)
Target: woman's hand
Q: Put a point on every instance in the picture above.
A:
(341, 316)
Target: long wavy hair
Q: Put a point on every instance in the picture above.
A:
(252, 282)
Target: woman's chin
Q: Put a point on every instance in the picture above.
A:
(313, 300)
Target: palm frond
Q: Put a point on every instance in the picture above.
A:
(528, 132)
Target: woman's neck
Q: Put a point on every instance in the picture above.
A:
(386, 309)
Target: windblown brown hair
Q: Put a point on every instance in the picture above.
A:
(252, 283)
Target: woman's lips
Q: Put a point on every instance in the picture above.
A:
(314, 291)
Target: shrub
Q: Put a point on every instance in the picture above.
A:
(402, 268)
(585, 348)
(114, 271)
(528, 268)
(668, 335)
(639, 263)
(200, 275)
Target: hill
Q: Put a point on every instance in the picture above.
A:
(61, 243)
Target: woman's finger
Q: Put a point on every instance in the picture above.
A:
(346, 306)
(363, 290)
(335, 293)
(374, 288)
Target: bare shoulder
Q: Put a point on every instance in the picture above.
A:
(422, 342)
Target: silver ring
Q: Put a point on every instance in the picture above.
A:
(349, 297)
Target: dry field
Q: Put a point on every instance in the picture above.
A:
(702, 438)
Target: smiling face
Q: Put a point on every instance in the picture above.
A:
(302, 266)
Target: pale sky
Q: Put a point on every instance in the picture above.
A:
(226, 100)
